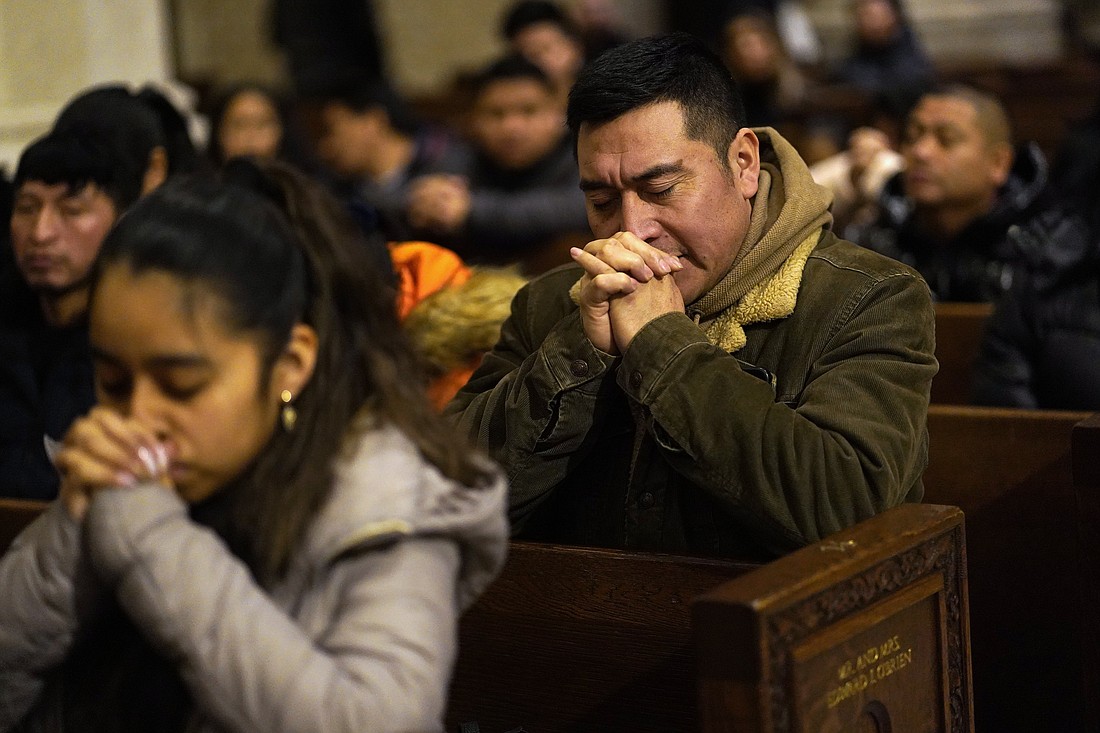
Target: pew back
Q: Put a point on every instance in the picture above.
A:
(959, 328)
(1009, 471)
(576, 639)
(867, 631)
(580, 639)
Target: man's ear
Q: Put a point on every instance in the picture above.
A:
(1001, 158)
(294, 366)
(743, 158)
(156, 172)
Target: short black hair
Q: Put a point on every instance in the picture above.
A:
(675, 67)
(78, 155)
(360, 93)
(508, 68)
(135, 123)
(527, 13)
(992, 117)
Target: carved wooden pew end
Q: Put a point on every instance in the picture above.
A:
(866, 631)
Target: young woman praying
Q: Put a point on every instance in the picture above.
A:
(263, 524)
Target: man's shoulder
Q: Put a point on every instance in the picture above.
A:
(847, 259)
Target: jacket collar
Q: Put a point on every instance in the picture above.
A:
(789, 208)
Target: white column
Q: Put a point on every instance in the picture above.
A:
(52, 49)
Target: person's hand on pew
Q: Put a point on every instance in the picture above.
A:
(105, 449)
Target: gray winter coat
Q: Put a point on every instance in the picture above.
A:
(359, 636)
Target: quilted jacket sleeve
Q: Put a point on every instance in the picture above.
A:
(47, 589)
(381, 665)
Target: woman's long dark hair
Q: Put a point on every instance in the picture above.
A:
(279, 250)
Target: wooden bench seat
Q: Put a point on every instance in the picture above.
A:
(576, 639)
(581, 639)
(15, 514)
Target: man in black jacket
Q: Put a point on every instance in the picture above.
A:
(953, 212)
(70, 187)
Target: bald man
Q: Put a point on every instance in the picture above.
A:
(951, 212)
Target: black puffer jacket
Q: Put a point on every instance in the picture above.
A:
(1042, 345)
(978, 264)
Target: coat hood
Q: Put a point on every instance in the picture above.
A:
(789, 213)
(383, 493)
(788, 207)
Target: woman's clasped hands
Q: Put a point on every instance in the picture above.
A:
(105, 449)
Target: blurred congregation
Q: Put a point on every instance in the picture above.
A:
(976, 167)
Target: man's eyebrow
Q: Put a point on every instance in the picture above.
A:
(661, 169)
(162, 361)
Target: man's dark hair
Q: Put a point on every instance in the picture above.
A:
(509, 68)
(992, 117)
(359, 93)
(78, 155)
(135, 123)
(676, 67)
(527, 13)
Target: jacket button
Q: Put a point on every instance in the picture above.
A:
(579, 368)
(636, 380)
(646, 500)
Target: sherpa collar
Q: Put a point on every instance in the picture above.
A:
(774, 298)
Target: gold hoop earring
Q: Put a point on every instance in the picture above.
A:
(288, 414)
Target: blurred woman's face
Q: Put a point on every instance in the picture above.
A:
(250, 126)
(876, 21)
(164, 357)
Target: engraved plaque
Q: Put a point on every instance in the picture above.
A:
(876, 671)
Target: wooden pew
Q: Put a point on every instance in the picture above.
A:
(581, 639)
(1086, 482)
(15, 514)
(576, 639)
(1010, 472)
(959, 329)
(867, 632)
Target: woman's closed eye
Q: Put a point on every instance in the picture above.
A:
(182, 391)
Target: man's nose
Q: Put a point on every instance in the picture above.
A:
(922, 147)
(46, 224)
(514, 123)
(639, 217)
